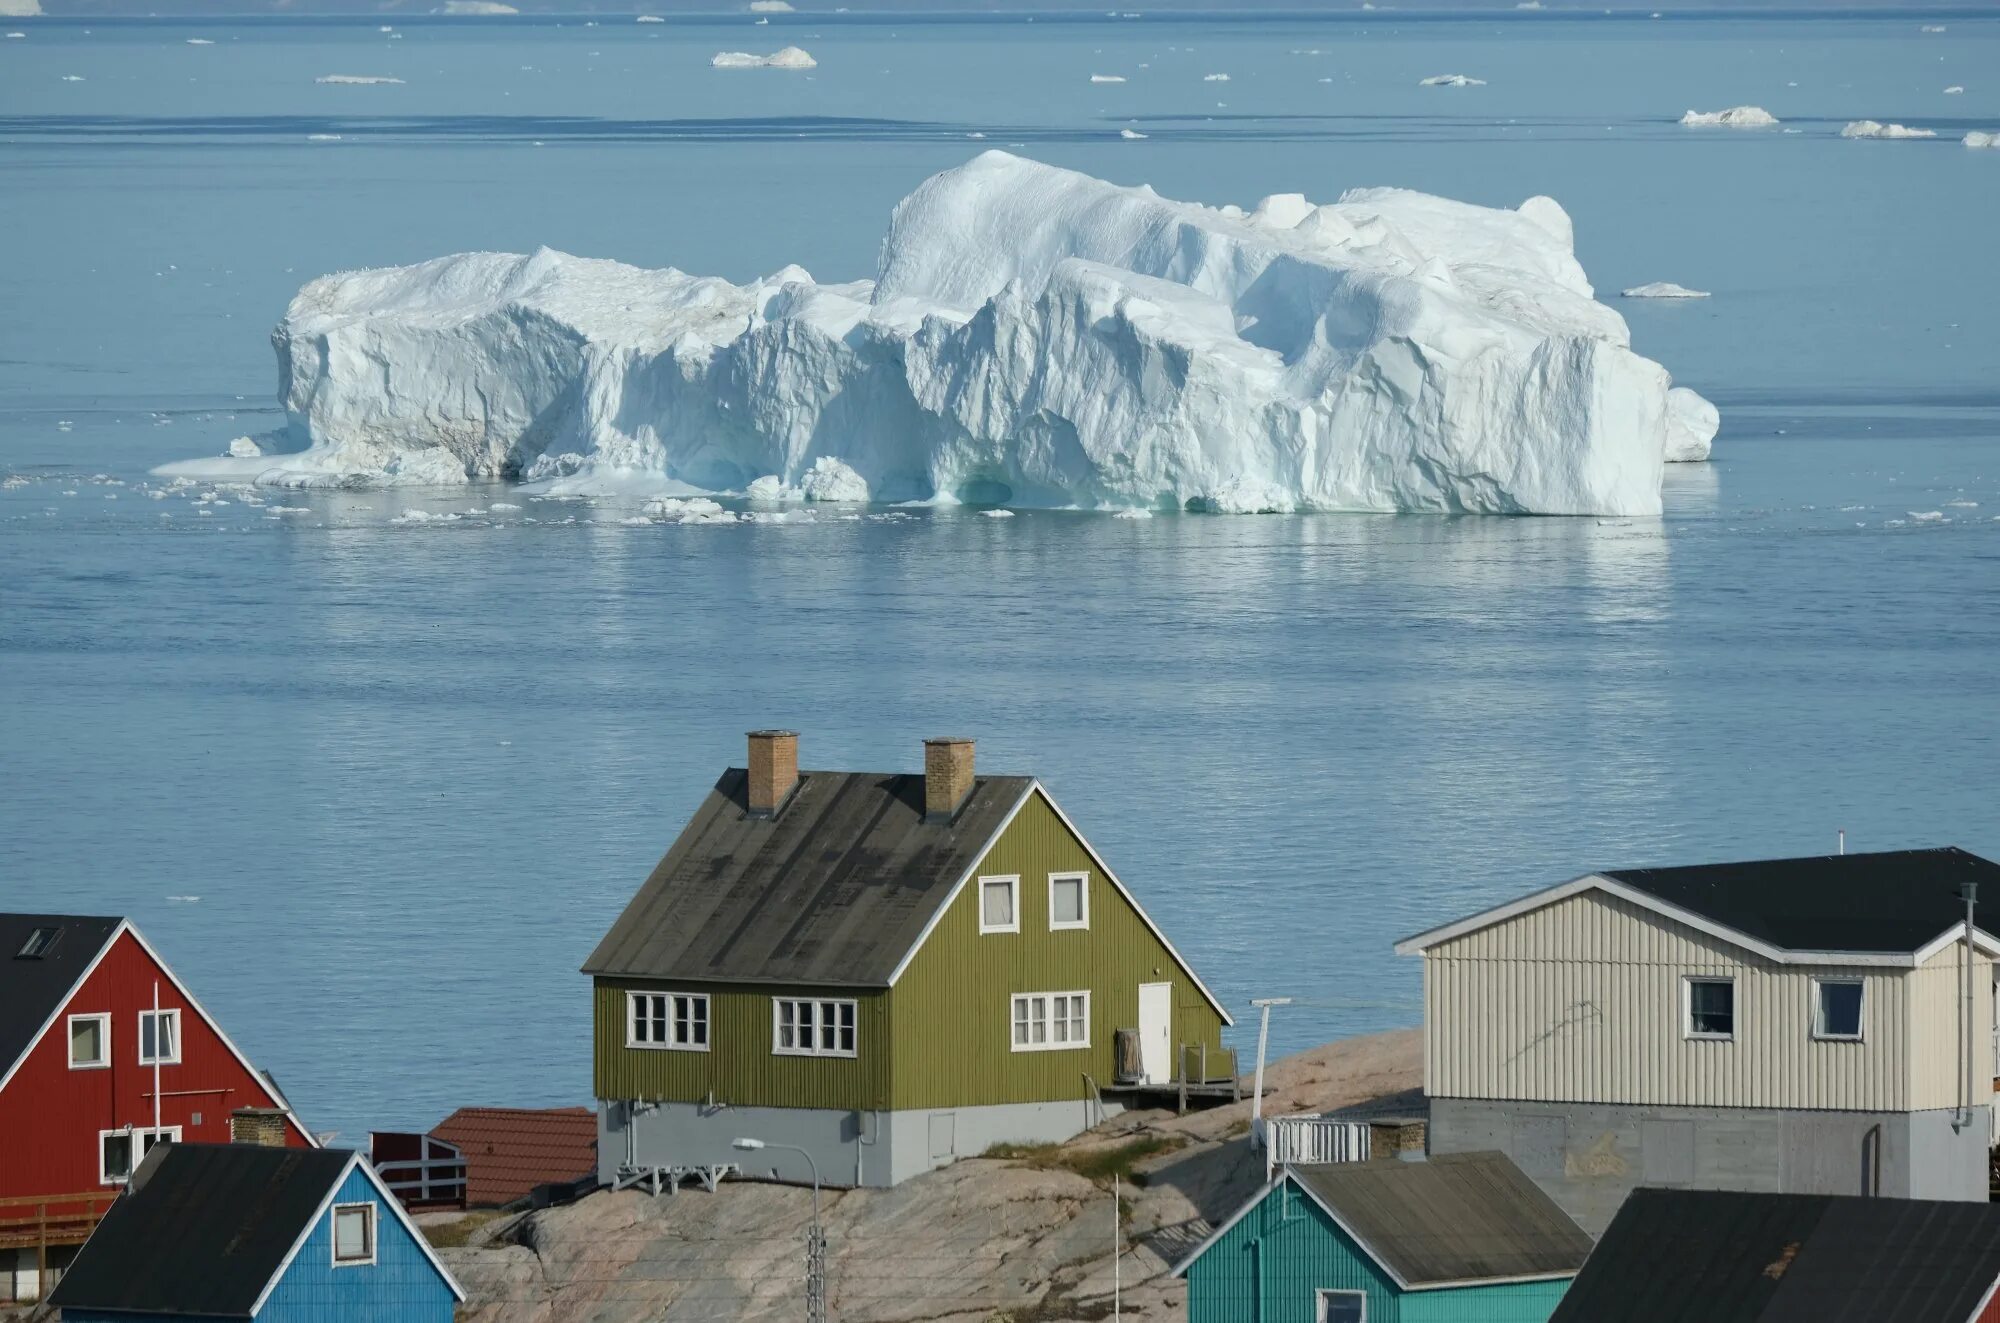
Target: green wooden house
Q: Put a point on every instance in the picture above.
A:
(887, 971)
(1463, 1238)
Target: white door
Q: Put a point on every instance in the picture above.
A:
(1156, 1018)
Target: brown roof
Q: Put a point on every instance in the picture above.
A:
(836, 889)
(510, 1150)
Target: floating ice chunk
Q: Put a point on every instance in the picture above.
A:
(1107, 78)
(1978, 139)
(1963, 505)
(1954, 90)
(682, 510)
(1451, 80)
(199, 41)
(286, 511)
(415, 516)
(1868, 128)
(183, 900)
(998, 514)
(832, 480)
(356, 80)
(1215, 78)
(1132, 512)
(1662, 289)
(466, 8)
(72, 78)
(245, 448)
(791, 57)
(1244, 496)
(24, 9)
(322, 137)
(649, 18)
(1130, 134)
(1736, 117)
(1692, 423)
(1927, 516)
(502, 507)
(1932, 27)
(771, 7)
(1529, 4)
(771, 487)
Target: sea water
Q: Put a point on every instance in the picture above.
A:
(375, 770)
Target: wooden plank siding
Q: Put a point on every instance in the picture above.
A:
(740, 1068)
(951, 1012)
(1582, 1001)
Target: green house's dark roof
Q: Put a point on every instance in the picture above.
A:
(1713, 1256)
(202, 1229)
(1459, 1217)
(835, 889)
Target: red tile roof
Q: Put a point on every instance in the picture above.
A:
(510, 1150)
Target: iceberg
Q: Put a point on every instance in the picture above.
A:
(1978, 139)
(1107, 78)
(463, 8)
(1451, 80)
(770, 7)
(1736, 117)
(1691, 426)
(356, 80)
(1032, 337)
(20, 9)
(1662, 289)
(791, 57)
(1868, 128)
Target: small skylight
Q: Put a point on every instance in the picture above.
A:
(39, 942)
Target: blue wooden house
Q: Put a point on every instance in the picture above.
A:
(239, 1231)
(1463, 1238)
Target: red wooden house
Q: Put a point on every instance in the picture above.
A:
(103, 1053)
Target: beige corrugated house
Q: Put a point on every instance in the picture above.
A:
(1818, 1025)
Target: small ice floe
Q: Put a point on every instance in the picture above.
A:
(1215, 78)
(681, 510)
(998, 514)
(1133, 512)
(13, 480)
(17, 36)
(1932, 27)
(975, 135)
(1954, 90)
(322, 137)
(791, 57)
(1663, 289)
(1927, 516)
(1736, 117)
(72, 78)
(501, 507)
(184, 900)
(474, 8)
(1978, 139)
(1529, 4)
(771, 7)
(1451, 80)
(414, 516)
(1868, 128)
(356, 80)
(1107, 78)
(1963, 505)
(244, 448)
(1130, 134)
(287, 511)
(199, 41)
(649, 18)
(385, 28)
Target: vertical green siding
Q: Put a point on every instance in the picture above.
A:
(1289, 1243)
(1513, 1302)
(740, 1068)
(950, 1011)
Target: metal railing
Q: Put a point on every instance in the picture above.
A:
(436, 1180)
(1312, 1140)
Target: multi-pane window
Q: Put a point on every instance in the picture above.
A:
(1711, 1008)
(1837, 1008)
(1342, 1307)
(159, 1038)
(1050, 1021)
(812, 1027)
(999, 904)
(40, 942)
(668, 1019)
(1069, 900)
(89, 1041)
(353, 1234)
(119, 1151)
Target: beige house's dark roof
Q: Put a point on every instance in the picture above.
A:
(834, 890)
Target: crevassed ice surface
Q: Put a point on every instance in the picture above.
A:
(1036, 337)
(412, 766)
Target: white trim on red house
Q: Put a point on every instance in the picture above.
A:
(103, 1061)
(269, 1090)
(394, 1205)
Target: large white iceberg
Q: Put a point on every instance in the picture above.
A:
(791, 57)
(1033, 337)
(1736, 117)
(1870, 128)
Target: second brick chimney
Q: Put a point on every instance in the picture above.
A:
(947, 777)
(774, 769)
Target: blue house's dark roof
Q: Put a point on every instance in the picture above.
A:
(1714, 1256)
(203, 1228)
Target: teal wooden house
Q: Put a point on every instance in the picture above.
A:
(1463, 1238)
(207, 1232)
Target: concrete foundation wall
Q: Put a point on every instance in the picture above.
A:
(1590, 1156)
(850, 1147)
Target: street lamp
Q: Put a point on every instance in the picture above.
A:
(815, 1241)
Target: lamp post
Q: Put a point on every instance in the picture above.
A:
(815, 1239)
(1263, 1004)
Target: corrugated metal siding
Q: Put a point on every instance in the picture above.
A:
(55, 1113)
(1518, 1302)
(1302, 1253)
(401, 1286)
(740, 1068)
(951, 1009)
(1581, 1001)
(1936, 1016)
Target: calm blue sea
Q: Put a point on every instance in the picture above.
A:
(412, 770)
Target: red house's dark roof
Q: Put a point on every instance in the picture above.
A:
(33, 986)
(510, 1150)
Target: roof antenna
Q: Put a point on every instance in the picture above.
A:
(1842, 835)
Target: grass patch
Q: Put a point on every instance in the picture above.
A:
(458, 1232)
(1097, 1164)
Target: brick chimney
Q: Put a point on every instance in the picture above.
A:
(947, 777)
(264, 1126)
(774, 769)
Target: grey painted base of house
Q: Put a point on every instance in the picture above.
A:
(851, 1148)
(1590, 1156)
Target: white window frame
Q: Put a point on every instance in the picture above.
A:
(333, 1233)
(1083, 881)
(819, 1004)
(138, 1135)
(634, 998)
(1687, 1008)
(171, 1013)
(1819, 1032)
(1320, 1299)
(1049, 1043)
(1013, 884)
(103, 1061)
